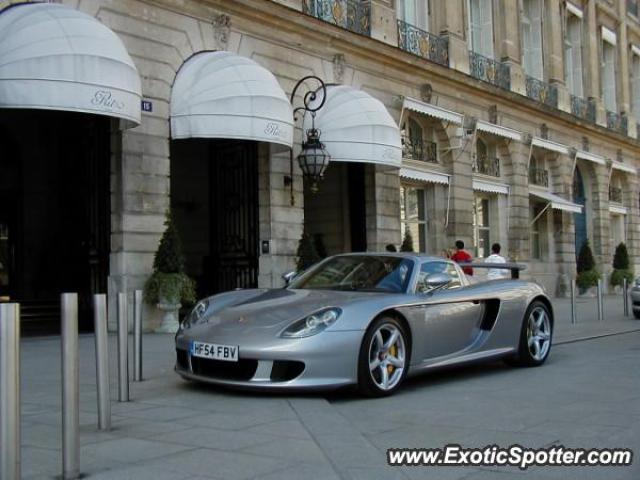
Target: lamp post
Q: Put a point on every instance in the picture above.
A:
(313, 158)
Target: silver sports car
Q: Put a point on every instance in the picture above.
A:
(362, 319)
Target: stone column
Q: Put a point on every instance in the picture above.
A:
(561, 183)
(601, 218)
(382, 206)
(624, 96)
(449, 20)
(518, 180)
(631, 196)
(507, 35)
(592, 61)
(139, 201)
(460, 225)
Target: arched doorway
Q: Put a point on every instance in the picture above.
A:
(580, 219)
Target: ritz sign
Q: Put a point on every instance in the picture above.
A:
(106, 99)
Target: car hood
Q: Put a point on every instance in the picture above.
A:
(269, 310)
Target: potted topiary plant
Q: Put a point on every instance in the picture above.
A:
(307, 253)
(168, 286)
(587, 274)
(407, 242)
(621, 266)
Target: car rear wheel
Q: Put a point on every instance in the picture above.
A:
(384, 357)
(535, 336)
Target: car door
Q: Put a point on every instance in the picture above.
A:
(450, 320)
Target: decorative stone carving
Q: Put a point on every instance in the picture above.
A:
(338, 67)
(544, 131)
(585, 143)
(493, 114)
(221, 29)
(426, 92)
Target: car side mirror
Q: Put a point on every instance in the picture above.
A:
(289, 276)
(436, 281)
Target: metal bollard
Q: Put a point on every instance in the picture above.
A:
(70, 385)
(123, 349)
(625, 293)
(600, 309)
(9, 391)
(137, 336)
(102, 361)
(573, 301)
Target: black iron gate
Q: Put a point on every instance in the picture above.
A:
(234, 216)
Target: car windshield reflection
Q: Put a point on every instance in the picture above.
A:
(361, 273)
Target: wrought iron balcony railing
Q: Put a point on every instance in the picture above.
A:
(539, 176)
(424, 44)
(617, 122)
(490, 70)
(632, 7)
(486, 166)
(353, 15)
(541, 91)
(615, 194)
(583, 108)
(414, 149)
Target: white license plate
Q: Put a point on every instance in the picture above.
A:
(228, 353)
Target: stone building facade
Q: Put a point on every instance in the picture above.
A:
(510, 131)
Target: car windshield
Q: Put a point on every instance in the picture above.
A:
(363, 273)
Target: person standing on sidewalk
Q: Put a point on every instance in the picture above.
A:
(495, 257)
(461, 256)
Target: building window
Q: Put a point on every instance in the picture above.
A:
(481, 27)
(618, 231)
(538, 230)
(635, 85)
(481, 227)
(608, 76)
(532, 38)
(414, 12)
(538, 173)
(413, 216)
(573, 55)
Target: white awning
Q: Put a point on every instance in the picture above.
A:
(355, 127)
(490, 187)
(574, 10)
(426, 176)
(608, 35)
(549, 145)
(499, 130)
(556, 201)
(619, 209)
(432, 111)
(623, 167)
(591, 157)
(53, 57)
(223, 95)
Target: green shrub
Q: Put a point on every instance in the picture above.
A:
(619, 274)
(585, 258)
(168, 280)
(621, 258)
(307, 253)
(407, 242)
(587, 279)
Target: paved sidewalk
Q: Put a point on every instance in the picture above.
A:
(176, 430)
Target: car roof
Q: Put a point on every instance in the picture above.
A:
(416, 256)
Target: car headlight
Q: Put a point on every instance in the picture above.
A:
(196, 314)
(312, 324)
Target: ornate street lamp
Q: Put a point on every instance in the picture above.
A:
(313, 158)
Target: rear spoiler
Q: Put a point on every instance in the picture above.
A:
(515, 268)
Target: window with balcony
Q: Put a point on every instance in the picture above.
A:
(485, 161)
(538, 173)
(635, 84)
(608, 76)
(353, 15)
(481, 226)
(413, 216)
(538, 233)
(573, 55)
(532, 38)
(418, 143)
(414, 12)
(481, 27)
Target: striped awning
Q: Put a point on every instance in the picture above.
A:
(499, 130)
(432, 111)
(556, 201)
(490, 187)
(424, 176)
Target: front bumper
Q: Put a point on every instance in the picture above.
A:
(324, 361)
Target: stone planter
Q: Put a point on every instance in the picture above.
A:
(170, 321)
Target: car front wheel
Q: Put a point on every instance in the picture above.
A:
(384, 357)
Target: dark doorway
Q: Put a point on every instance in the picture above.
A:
(357, 211)
(54, 212)
(580, 219)
(214, 198)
